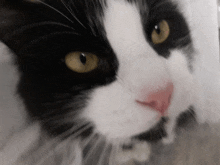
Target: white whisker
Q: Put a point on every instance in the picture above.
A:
(73, 129)
(91, 151)
(103, 154)
(49, 35)
(68, 154)
(72, 13)
(72, 156)
(55, 10)
(61, 144)
(86, 142)
(52, 152)
(81, 131)
(69, 118)
(122, 82)
(34, 25)
(113, 152)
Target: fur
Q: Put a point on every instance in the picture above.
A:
(93, 117)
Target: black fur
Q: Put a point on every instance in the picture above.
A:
(40, 37)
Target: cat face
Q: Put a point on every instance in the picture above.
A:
(111, 67)
(145, 67)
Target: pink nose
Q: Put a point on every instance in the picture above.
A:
(159, 100)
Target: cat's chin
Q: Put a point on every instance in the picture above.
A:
(158, 132)
(154, 134)
(137, 149)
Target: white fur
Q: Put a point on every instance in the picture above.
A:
(112, 108)
(12, 113)
(4, 56)
(19, 144)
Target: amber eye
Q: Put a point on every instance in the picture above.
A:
(81, 62)
(161, 32)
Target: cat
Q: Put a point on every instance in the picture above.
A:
(101, 78)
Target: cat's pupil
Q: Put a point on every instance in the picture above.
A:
(157, 28)
(83, 58)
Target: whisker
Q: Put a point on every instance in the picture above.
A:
(88, 126)
(59, 118)
(86, 142)
(76, 130)
(122, 82)
(75, 152)
(99, 139)
(49, 35)
(192, 113)
(64, 4)
(112, 158)
(68, 154)
(53, 148)
(52, 152)
(33, 25)
(103, 154)
(34, 156)
(79, 128)
(51, 7)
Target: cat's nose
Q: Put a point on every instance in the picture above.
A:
(159, 100)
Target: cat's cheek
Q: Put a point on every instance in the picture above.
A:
(115, 114)
(184, 83)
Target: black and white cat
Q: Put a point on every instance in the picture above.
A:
(101, 78)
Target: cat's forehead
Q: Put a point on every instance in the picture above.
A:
(93, 12)
(128, 25)
(123, 26)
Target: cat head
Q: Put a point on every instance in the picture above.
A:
(111, 67)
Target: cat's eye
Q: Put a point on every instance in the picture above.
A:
(81, 62)
(160, 32)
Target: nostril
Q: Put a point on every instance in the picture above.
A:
(159, 100)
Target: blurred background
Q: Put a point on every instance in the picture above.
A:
(219, 13)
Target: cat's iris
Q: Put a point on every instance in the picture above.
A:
(160, 32)
(81, 62)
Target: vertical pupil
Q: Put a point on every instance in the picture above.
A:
(83, 58)
(157, 28)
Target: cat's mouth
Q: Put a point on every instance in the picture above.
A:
(154, 134)
(137, 149)
(158, 132)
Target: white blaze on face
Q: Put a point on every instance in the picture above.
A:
(136, 57)
(113, 108)
(124, 29)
